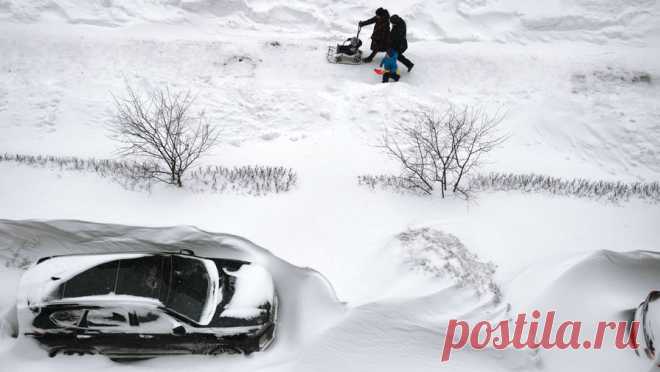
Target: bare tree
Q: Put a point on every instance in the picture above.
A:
(474, 134)
(408, 147)
(442, 148)
(162, 127)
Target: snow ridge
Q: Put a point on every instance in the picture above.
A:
(448, 20)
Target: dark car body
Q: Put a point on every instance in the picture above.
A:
(648, 316)
(135, 305)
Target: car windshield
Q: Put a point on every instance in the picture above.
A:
(193, 285)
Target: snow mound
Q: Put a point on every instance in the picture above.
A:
(9, 277)
(506, 20)
(426, 277)
(114, 13)
(442, 255)
(407, 335)
(423, 262)
(448, 20)
(602, 286)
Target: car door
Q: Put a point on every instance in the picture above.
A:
(159, 333)
(104, 328)
(134, 330)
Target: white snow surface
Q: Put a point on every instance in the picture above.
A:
(562, 70)
(214, 293)
(452, 21)
(254, 287)
(592, 289)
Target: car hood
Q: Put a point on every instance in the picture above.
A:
(253, 288)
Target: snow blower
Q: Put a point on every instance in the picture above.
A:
(348, 52)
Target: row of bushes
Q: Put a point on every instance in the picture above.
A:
(578, 187)
(261, 180)
(388, 182)
(134, 175)
(536, 183)
(256, 180)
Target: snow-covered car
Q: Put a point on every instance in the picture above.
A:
(648, 316)
(136, 305)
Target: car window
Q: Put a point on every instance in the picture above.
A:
(189, 287)
(67, 318)
(141, 277)
(151, 321)
(99, 280)
(107, 318)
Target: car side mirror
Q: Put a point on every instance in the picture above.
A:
(179, 330)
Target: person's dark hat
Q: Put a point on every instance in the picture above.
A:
(395, 19)
(382, 13)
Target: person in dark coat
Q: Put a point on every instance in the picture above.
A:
(381, 35)
(398, 40)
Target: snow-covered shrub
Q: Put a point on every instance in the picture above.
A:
(583, 188)
(606, 80)
(160, 126)
(130, 174)
(250, 180)
(441, 150)
(444, 256)
(387, 182)
(254, 180)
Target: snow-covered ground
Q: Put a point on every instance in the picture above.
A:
(564, 72)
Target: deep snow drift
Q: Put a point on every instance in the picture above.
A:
(448, 20)
(402, 330)
(315, 329)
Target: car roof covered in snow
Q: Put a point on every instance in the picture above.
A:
(42, 278)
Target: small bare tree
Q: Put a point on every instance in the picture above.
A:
(408, 145)
(442, 148)
(162, 127)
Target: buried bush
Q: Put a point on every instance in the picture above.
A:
(133, 175)
(255, 180)
(444, 256)
(535, 183)
(577, 187)
(130, 174)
